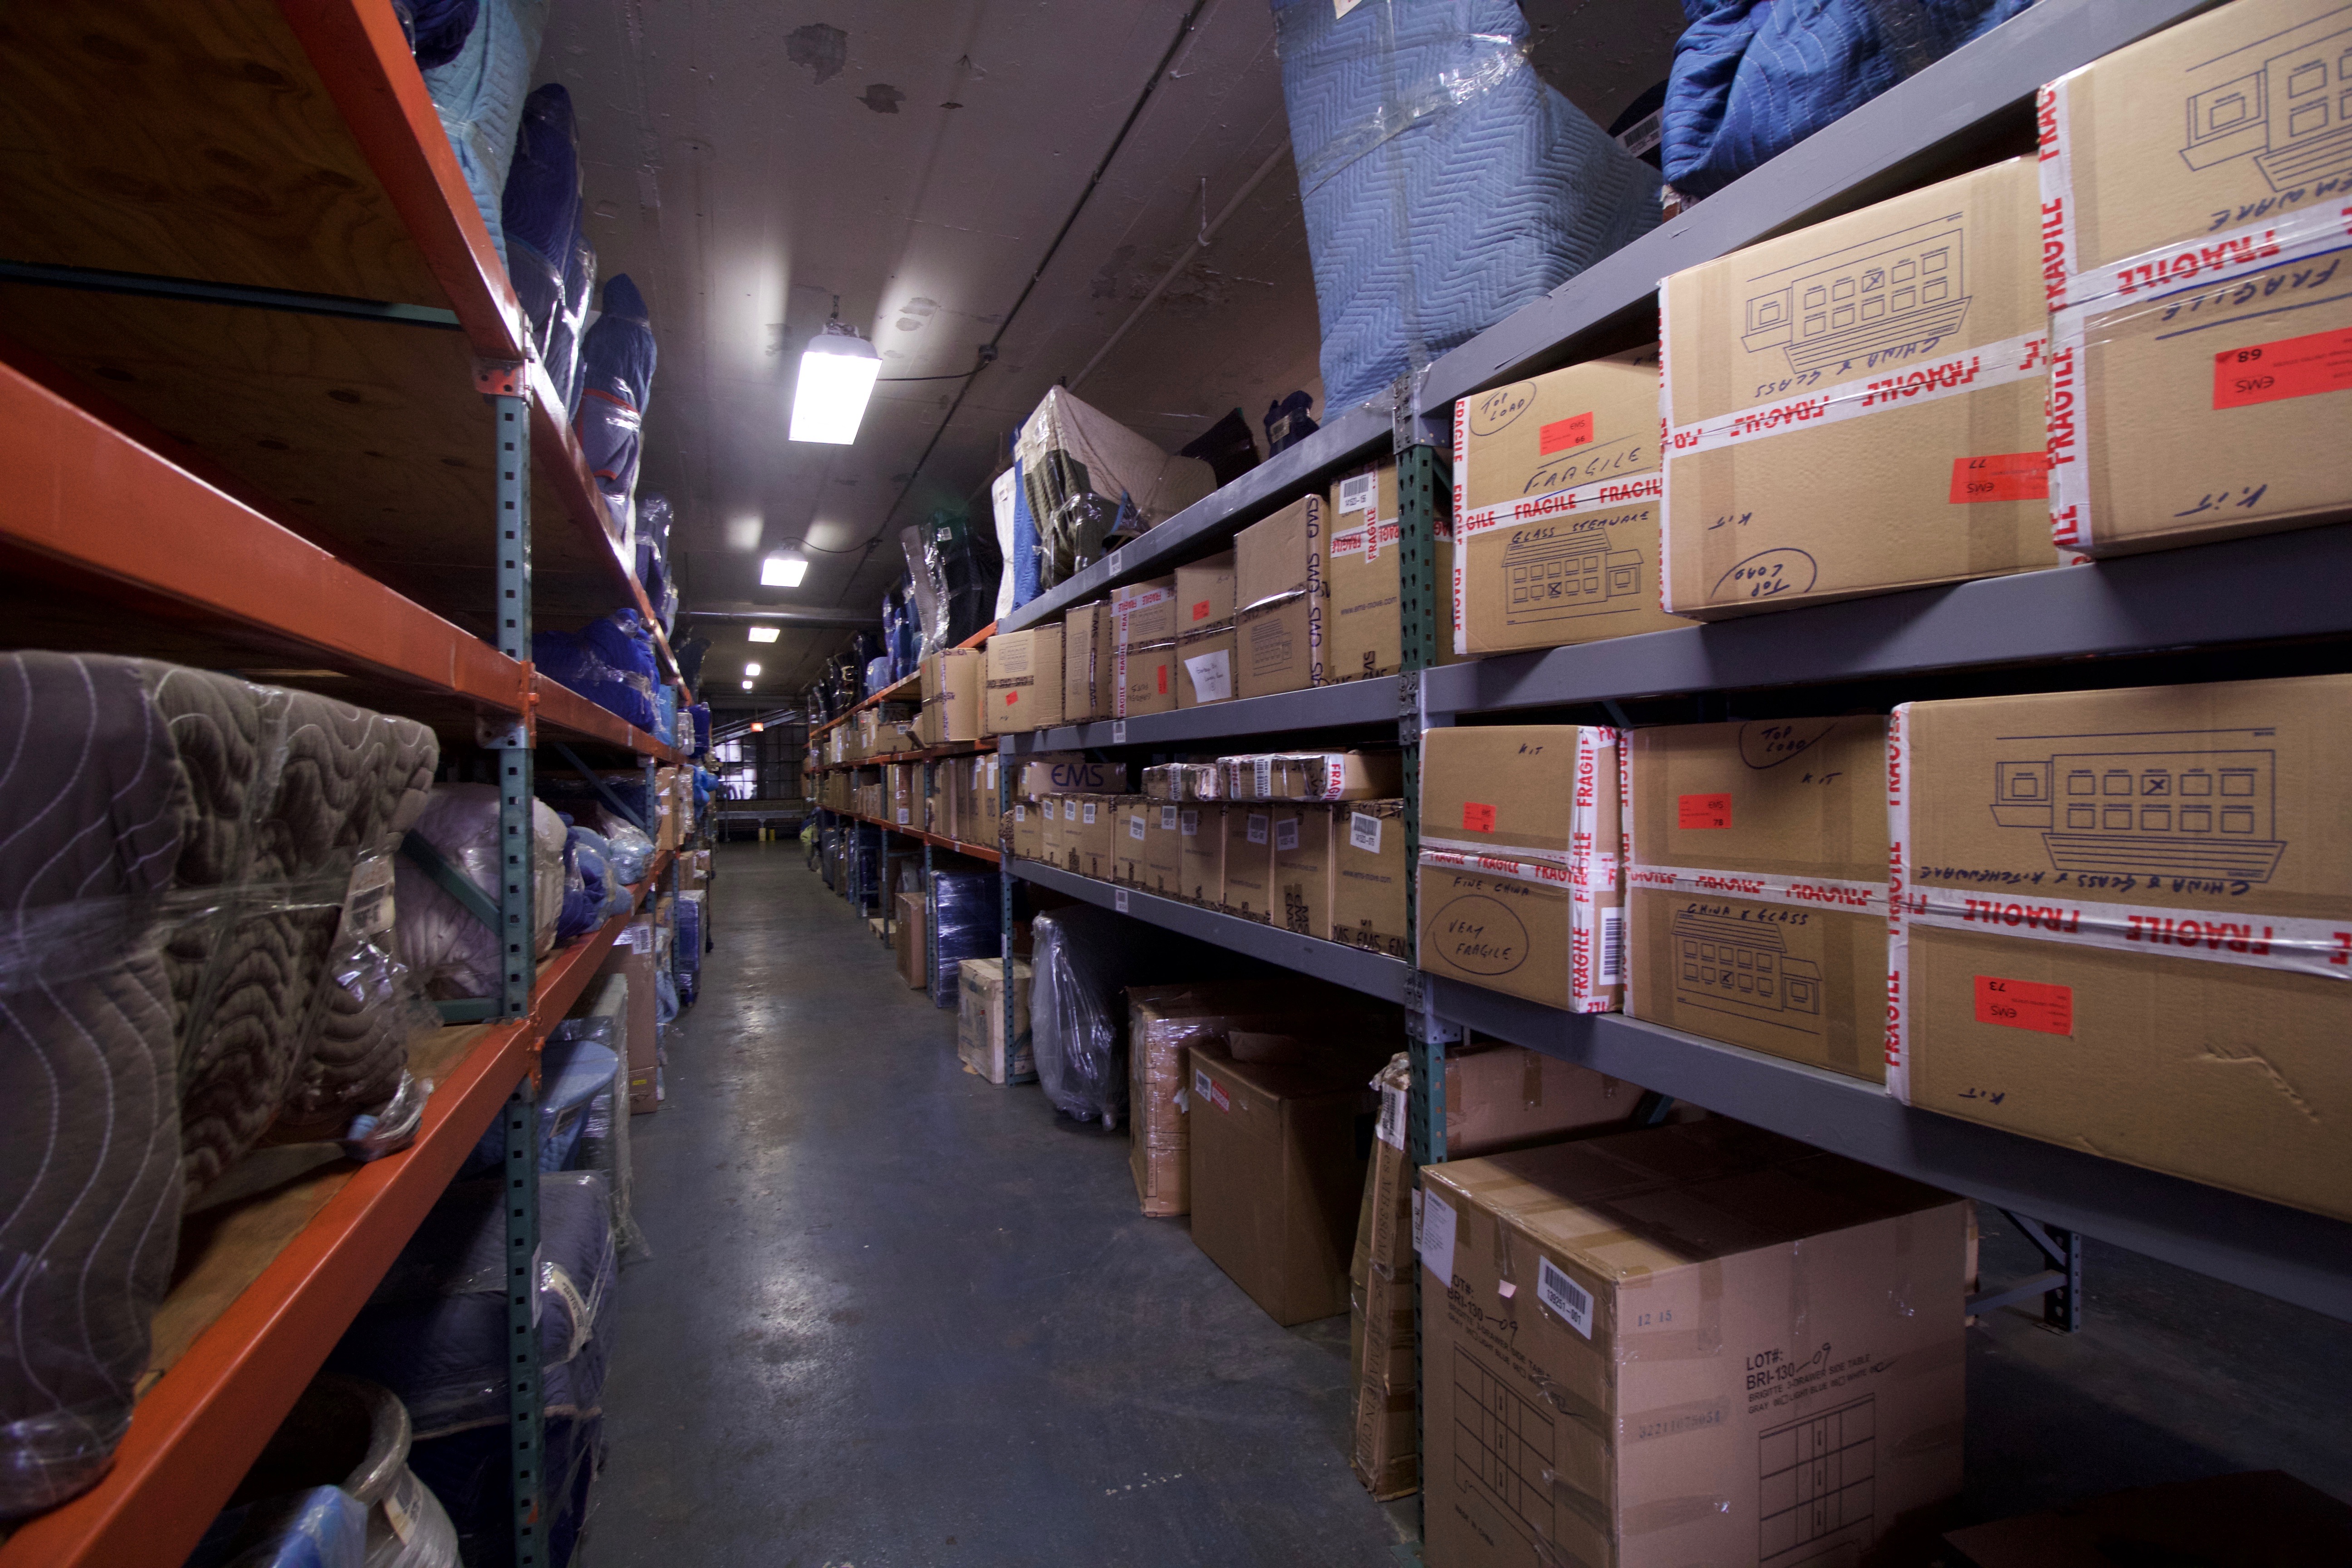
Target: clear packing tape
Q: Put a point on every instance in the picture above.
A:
(1445, 80)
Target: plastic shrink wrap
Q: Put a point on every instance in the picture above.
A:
(452, 951)
(1091, 482)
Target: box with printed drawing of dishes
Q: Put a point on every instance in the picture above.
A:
(2122, 922)
(2194, 204)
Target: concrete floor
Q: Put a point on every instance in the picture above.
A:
(897, 1318)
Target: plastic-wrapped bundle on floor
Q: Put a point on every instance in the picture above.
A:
(541, 212)
(435, 1333)
(686, 958)
(964, 565)
(453, 952)
(479, 95)
(1091, 479)
(1445, 185)
(181, 850)
(970, 925)
(1751, 79)
(616, 380)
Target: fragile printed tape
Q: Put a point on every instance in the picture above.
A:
(1898, 942)
(1817, 892)
(1638, 490)
(2305, 946)
(1897, 386)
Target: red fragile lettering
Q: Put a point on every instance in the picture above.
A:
(1561, 434)
(1477, 817)
(1702, 811)
(2003, 476)
(1200, 611)
(2025, 1004)
(2291, 367)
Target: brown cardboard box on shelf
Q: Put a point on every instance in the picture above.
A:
(1755, 887)
(1279, 570)
(1519, 852)
(900, 781)
(1369, 875)
(1060, 772)
(1312, 776)
(1501, 1097)
(1857, 407)
(1363, 636)
(1088, 841)
(2122, 924)
(907, 940)
(1024, 830)
(1386, 1452)
(952, 678)
(1648, 1278)
(1556, 505)
(632, 957)
(1052, 843)
(1302, 869)
(1249, 862)
(1275, 1172)
(980, 1043)
(1143, 618)
(2160, 436)
(1089, 664)
(1025, 680)
(1160, 869)
(1204, 632)
(1201, 852)
(1131, 829)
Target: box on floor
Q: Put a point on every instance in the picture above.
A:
(981, 1042)
(1386, 1449)
(906, 939)
(632, 958)
(1618, 1375)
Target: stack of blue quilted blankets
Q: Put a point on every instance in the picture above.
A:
(1445, 185)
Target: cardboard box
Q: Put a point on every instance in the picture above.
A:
(1249, 863)
(1067, 773)
(1161, 867)
(632, 958)
(1131, 829)
(1089, 841)
(1053, 842)
(1677, 1346)
(1755, 885)
(907, 940)
(2199, 174)
(1556, 505)
(1313, 775)
(1275, 1171)
(1370, 877)
(1025, 680)
(980, 1021)
(1386, 1452)
(952, 678)
(1204, 632)
(1184, 781)
(1519, 852)
(2122, 922)
(1501, 1097)
(1024, 830)
(1302, 869)
(1200, 854)
(1280, 566)
(1836, 396)
(1144, 622)
(1363, 636)
(1089, 664)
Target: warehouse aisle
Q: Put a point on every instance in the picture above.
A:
(895, 1317)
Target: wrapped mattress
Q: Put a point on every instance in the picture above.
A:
(1752, 79)
(179, 852)
(479, 96)
(453, 953)
(1445, 185)
(1090, 481)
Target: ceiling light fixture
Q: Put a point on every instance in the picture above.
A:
(758, 727)
(784, 570)
(747, 686)
(837, 372)
(762, 634)
(752, 670)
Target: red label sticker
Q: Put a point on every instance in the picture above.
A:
(2004, 476)
(1200, 611)
(2291, 367)
(1162, 672)
(2025, 1004)
(1478, 819)
(1011, 698)
(1702, 811)
(1561, 434)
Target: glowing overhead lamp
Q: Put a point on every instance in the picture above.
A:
(784, 570)
(837, 372)
(747, 686)
(752, 671)
(762, 634)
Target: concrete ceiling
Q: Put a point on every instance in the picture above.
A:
(747, 160)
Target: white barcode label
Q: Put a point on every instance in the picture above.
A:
(1364, 832)
(1089, 810)
(1166, 819)
(902, 816)
(1564, 1295)
(1135, 825)
(1612, 947)
(1019, 813)
(1118, 561)
(1118, 900)
(1391, 1128)
(1191, 821)
(1200, 1083)
(1256, 828)
(1119, 733)
(1286, 834)
(1049, 809)
(1262, 772)
(1436, 1241)
(1359, 493)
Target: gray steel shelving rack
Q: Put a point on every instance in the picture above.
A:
(2270, 592)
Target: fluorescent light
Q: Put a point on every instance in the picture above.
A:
(747, 686)
(763, 634)
(837, 373)
(784, 571)
(751, 669)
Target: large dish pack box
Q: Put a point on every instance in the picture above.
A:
(1363, 631)
(1161, 867)
(1277, 1170)
(1556, 509)
(1200, 854)
(981, 1042)
(1089, 664)
(1302, 869)
(1386, 1452)
(1521, 884)
(1025, 680)
(1371, 875)
(951, 688)
(1500, 1097)
(1143, 622)
(1204, 632)
(2193, 199)
(1697, 1343)
(1857, 407)
(1756, 885)
(2122, 922)
(1249, 863)
(1280, 568)
(906, 941)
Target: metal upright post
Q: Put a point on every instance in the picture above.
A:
(508, 393)
(1004, 899)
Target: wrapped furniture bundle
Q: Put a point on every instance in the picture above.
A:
(547, 254)
(1086, 958)
(452, 952)
(180, 850)
(1091, 481)
(616, 378)
(1445, 185)
(479, 95)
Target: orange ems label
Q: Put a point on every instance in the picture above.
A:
(1702, 811)
(2003, 476)
(1561, 434)
(2291, 367)
(1478, 819)
(2025, 1004)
